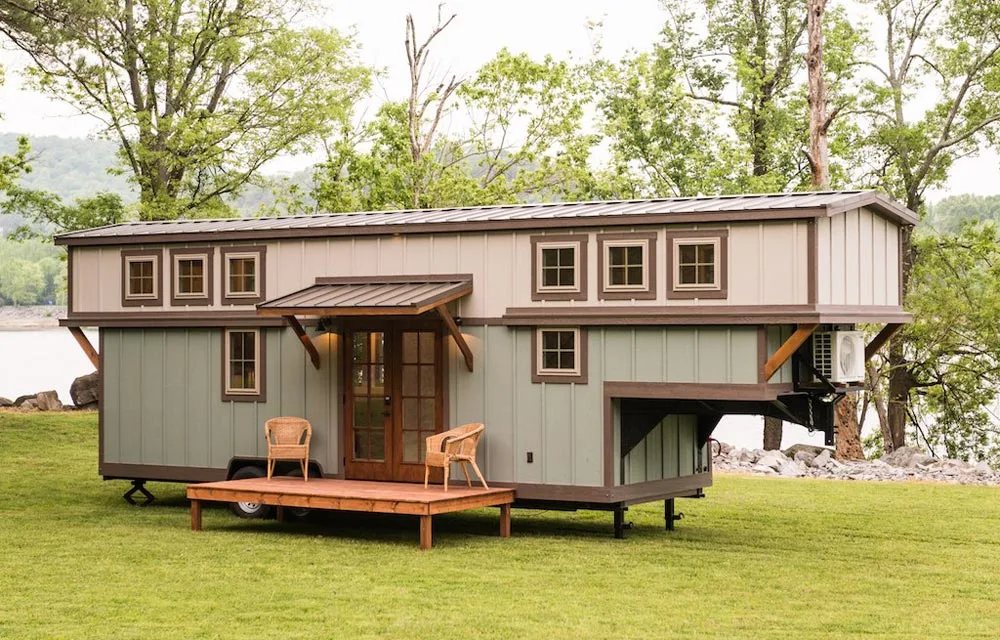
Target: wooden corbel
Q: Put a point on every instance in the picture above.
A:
(880, 339)
(296, 326)
(786, 350)
(463, 346)
(81, 339)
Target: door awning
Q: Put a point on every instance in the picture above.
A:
(370, 296)
(373, 296)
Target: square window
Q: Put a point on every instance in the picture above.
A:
(191, 276)
(243, 275)
(141, 277)
(627, 266)
(558, 356)
(558, 267)
(697, 264)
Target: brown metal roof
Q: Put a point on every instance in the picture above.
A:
(376, 295)
(499, 217)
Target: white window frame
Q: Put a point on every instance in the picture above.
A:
(608, 244)
(716, 265)
(129, 261)
(177, 276)
(256, 269)
(577, 357)
(539, 275)
(258, 372)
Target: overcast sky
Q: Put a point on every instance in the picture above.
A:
(537, 27)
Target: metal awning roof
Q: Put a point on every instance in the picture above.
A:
(370, 296)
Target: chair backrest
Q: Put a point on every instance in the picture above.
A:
(466, 446)
(288, 431)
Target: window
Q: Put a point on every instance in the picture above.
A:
(627, 266)
(243, 275)
(141, 278)
(698, 264)
(191, 277)
(243, 358)
(558, 265)
(560, 355)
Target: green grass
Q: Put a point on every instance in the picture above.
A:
(758, 558)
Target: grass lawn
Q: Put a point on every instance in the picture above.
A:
(759, 558)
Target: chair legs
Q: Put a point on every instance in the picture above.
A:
(427, 475)
(475, 467)
(270, 468)
(305, 470)
(465, 470)
(447, 469)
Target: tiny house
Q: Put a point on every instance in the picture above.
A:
(600, 342)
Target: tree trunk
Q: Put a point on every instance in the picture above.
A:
(900, 381)
(772, 433)
(819, 156)
(848, 430)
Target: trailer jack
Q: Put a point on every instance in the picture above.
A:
(138, 486)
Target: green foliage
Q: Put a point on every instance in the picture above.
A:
(954, 342)
(950, 214)
(198, 93)
(31, 272)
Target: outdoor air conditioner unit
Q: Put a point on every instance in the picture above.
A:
(840, 355)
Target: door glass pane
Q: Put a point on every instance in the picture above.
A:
(359, 377)
(411, 413)
(368, 391)
(427, 350)
(377, 444)
(378, 380)
(411, 446)
(361, 412)
(426, 381)
(409, 347)
(410, 380)
(360, 450)
(428, 418)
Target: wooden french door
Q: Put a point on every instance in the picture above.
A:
(393, 398)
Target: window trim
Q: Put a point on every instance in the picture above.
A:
(718, 291)
(260, 254)
(607, 291)
(143, 255)
(579, 292)
(238, 395)
(579, 376)
(178, 299)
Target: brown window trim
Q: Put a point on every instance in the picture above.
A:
(157, 255)
(649, 293)
(261, 252)
(208, 255)
(723, 271)
(261, 395)
(581, 241)
(580, 378)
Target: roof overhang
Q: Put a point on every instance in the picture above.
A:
(370, 296)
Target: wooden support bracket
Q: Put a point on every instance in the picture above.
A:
(81, 339)
(296, 326)
(463, 346)
(880, 339)
(786, 350)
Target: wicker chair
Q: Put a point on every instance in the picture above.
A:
(456, 445)
(288, 439)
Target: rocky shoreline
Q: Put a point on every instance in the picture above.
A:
(84, 392)
(30, 317)
(909, 464)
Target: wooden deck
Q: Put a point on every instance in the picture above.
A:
(353, 495)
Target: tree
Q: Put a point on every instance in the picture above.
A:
(198, 93)
(21, 282)
(953, 46)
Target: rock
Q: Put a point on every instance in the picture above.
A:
(820, 460)
(807, 448)
(48, 401)
(744, 456)
(4, 402)
(20, 400)
(983, 469)
(908, 457)
(772, 459)
(804, 457)
(791, 469)
(759, 468)
(29, 405)
(85, 391)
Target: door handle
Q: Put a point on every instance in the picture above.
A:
(388, 404)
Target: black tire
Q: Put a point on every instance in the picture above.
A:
(299, 513)
(250, 510)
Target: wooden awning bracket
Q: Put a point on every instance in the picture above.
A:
(880, 339)
(463, 346)
(786, 350)
(297, 327)
(84, 342)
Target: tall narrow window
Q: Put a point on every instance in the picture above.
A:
(627, 266)
(560, 355)
(191, 277)
(698, 264)
(559, 268)
(244, 364)
(141, 278)
(243, 274)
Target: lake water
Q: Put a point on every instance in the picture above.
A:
(42, 359)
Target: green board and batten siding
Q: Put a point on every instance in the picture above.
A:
(163, 398)
(562, 424)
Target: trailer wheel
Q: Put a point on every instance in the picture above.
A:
(298, 513)
(252, 510)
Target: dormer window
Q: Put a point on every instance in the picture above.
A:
(698, 263)
(559, 267)
(191, 277)
(141, 278)
(243, 275)
(627, 266)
